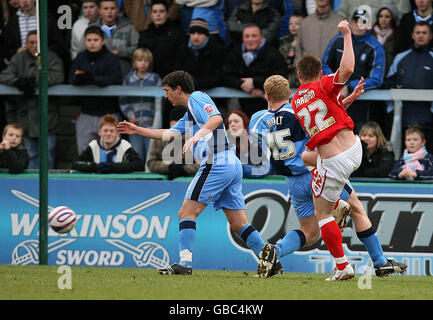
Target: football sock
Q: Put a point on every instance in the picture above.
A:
(292, 241)
(372, 243)
(252, 238)
(333, 239)
(186, 241)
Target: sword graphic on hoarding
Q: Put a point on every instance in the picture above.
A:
(27, 198)
(138, 207)
(145, 204)
(144, 253)
(32, 249)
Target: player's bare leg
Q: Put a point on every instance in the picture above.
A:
(357, 213)
(236, 218)
(238, 221)
(367, 234)
(190, 209)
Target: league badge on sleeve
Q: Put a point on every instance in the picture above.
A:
(209, 109)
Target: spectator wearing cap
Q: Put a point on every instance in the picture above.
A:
(370, 64)
(423, 12)
(209, 10)
(166, 157)
(202, 56)
(347, 7)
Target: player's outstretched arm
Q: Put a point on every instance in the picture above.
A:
(126, 127)
(212, 123)
(357, 92)
(347, 63)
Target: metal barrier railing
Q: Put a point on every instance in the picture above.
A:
(395, 96)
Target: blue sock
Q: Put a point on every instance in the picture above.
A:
(186, 241)
(371, 242)
(292, 241)
(252, 238)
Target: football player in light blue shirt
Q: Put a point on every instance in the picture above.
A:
(282, 140)
(219, 178)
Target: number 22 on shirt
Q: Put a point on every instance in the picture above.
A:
(319, 123)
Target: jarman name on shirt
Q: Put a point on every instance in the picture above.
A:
(305, 98)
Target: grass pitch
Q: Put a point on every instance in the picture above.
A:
(41, 283)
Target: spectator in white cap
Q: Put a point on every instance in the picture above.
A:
(347, 7)
(370, 65)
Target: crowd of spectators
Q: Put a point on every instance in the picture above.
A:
(221, 43)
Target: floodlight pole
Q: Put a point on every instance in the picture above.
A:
(42, 12)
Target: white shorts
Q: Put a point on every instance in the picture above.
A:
(333, 173)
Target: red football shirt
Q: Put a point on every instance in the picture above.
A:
(319, 108)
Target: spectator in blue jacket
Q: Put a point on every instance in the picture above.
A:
(370, 64)
(96, 65)
(413, 69)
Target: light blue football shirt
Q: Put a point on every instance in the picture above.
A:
(281, 132)
(200, 108)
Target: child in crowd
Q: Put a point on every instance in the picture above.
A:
(109, 153)
(140, 110)
(377, 160)
(416, 162)
(90, 13)
(96, 65)
(13, 154)
(288, 46)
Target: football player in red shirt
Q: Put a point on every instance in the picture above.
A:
(322, 113)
